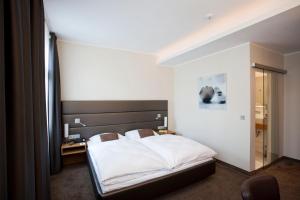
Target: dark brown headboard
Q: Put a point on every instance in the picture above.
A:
(112, 116)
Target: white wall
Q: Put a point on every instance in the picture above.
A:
(222, 130)
(292, 107)
(93, 73)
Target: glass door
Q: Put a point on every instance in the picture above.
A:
(266, 118)
(271, 136)
(259, 118)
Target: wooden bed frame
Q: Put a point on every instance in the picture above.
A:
(122, 116)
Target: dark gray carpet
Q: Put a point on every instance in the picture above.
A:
(74, 183)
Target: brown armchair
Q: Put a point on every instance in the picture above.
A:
(260, 188)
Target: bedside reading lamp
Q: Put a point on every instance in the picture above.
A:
(158, 117)
(77, 121)
(166, 122)
(66, 132)
(75, 137)
(165, 126)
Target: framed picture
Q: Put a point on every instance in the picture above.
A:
(212, 91)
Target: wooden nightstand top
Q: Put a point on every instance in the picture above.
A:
(161, 132)
(76, 148)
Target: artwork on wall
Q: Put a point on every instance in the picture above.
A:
(212, 91)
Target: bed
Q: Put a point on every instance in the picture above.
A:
(159, 172)
(122, 116)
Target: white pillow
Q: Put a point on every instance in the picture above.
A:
(96, 138)
(134, 134)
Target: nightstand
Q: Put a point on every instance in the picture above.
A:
(161, 132)
(73, 153)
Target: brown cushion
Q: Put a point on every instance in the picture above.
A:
(145, 133)
(260, 187)
(109, 137)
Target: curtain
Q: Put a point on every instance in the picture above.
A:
(54, 107)
(24, 144)
(3, 161)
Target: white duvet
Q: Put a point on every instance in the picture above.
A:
(120, 159)
(177, 150)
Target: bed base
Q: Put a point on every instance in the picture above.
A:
(154, 187)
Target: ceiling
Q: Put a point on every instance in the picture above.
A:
(137, 25)
(166, 28)
(280, 33)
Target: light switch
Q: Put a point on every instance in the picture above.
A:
(242, 117)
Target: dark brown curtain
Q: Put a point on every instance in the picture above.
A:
(54, 107)
(3, 162)
(24, 144)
